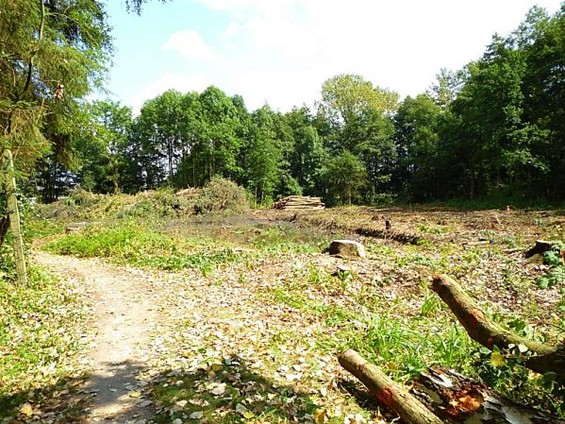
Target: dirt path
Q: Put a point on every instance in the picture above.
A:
(215, 338)
(124, 315)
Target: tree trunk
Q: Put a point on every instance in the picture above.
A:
(458, 399)
(490, 334)
(14, 214)
(387, 391)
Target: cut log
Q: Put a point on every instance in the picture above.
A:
(541, 246)
(389, 393)
(554, 362)
(490, 334)
(457, 399)
(299, 202)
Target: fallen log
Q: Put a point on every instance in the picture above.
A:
(389, 393)
(488, 333)
(458, 399)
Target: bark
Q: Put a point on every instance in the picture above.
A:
(490, 334)
(554, 362)
(458, 399)
(392, 395)
(14, 214)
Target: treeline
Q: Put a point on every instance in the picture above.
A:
(498, 125)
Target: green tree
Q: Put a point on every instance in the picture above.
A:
(160, 127)
(53, 53)
(103, 155)
(263, 156)
(542, 38)
(343, 176)
(347, 96)
(417, 136)
(218, 145)
(308, 155)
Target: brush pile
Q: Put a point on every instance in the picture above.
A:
(299, 203)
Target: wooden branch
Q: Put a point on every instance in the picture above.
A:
(480, 328)
(490, 334)
(554, 362)
(541, 246)
(387, 391)
(458, 399)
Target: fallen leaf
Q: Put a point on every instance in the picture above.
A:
(320, 416)
(26, 410)
(240, 408)
(196, 415)
(219, 390)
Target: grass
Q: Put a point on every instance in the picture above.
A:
(381, 307)
(39, 329)
(132, 243)
(402, 345)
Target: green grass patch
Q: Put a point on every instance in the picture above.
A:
(136, 244)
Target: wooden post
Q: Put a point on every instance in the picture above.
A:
(14, 213)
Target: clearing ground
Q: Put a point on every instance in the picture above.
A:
(248, 330)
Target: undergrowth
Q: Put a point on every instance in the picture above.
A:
(135, 244)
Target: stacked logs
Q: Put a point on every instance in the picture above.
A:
(299, 203)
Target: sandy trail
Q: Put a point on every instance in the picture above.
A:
(124, 315)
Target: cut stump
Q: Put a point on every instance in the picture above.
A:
(348, 248)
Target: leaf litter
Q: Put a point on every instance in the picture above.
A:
(226, 347)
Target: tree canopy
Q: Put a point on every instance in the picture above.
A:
(496, 125)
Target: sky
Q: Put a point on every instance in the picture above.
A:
(279, 52)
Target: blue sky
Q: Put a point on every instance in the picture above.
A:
(279, 52)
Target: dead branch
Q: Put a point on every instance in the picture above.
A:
(458, 399)
(387, 391)
(488, 333)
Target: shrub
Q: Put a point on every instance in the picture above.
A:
(221, 194)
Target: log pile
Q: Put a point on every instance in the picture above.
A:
(299, 203)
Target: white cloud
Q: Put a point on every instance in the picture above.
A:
(281, 51)
(191, 45)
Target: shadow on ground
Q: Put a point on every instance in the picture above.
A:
(226, 392)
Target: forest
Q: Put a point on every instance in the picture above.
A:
(177, 264)
(494, 128)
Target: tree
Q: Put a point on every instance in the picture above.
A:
(53, 53)
(343, 177)
(103, 154)
(359, 114)
(346, 96)
(543, 40)
(160, 128)
(418, 148)
(448, 84)
(308, 155)
(263, 156)
(218, 146)
(137, 5)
